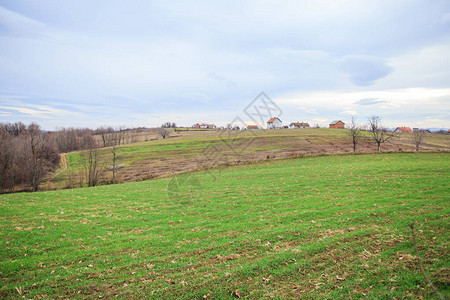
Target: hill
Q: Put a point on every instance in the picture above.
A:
(321, 227)
(193, 150)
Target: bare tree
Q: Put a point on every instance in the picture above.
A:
(163, 132)
(379, 133)
(169, 125)
(15, 129)
(122, 134)
(36, 143)
(26, 156)
(7, 158)
(66, 140)
(354, 132)
(91, 163)
(105, 133)
(418, 137)
(115, 143)
(114, 159)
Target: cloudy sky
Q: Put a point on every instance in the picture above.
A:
(142, 63)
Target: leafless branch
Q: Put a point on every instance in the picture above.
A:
(379, 133)
(418, 138)
(354, 132)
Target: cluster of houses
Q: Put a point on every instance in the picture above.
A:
(276, 123)
(272, 123)
(204, 126)
(409, 130)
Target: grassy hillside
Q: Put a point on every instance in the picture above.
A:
(329, 226)
(192, 150)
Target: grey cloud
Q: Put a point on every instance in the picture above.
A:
(364, 70)
(208, 54)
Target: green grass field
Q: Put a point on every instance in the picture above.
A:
(186, 151)
(314, 227)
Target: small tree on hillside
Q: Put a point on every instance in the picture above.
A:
(105, 133)
(418, 137)
(115, 143)
(354, 132)
(36, 139)
(122, 130)
(163, 132)
(379, 133)
(91, 162)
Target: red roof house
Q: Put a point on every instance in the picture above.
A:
(274, 123)
(404, 129)
(337, 124)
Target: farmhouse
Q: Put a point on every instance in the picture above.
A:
(403, 129)
(421, 130)
(299, 125)
(337, 124)
(252, 127)
(274, 123)
(204, 126)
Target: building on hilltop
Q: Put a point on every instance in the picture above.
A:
(204, 126)
(274, 123)
(299, 125)
(403, 129)
(337, 124)
(421, 130)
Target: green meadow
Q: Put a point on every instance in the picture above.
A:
(188, 150)
(332, 226)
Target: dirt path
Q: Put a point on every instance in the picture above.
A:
(63, 164)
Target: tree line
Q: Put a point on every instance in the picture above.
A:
(28, 154)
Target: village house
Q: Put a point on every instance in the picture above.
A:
(421, 130)
(204, 126)
(252, 127)
(337, 124)
(403, 129)
(274, 123)
(299, 125)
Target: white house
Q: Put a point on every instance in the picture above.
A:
(274, 123)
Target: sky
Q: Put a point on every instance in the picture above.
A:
(142, 63)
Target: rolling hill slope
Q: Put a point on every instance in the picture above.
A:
(329, 226)
(193, 150)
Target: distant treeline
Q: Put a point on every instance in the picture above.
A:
(28, 154)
